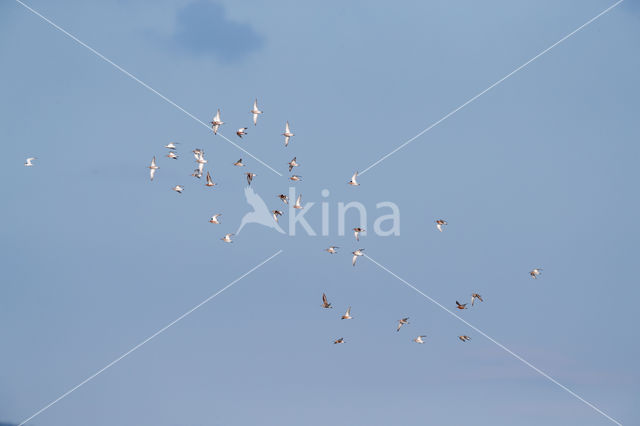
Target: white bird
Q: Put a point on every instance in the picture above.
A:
(214, 218)
(152, 167)
(402, 322)
(216, 123)
(295, 178)
(440, 224)
(239, 163)
(178, 189)
(171, 145)
(332, 249)
(250, 177)
(419, 339)
(210, 181)
(199, 154)
(29, 161)
(227, 238)
(173, 155)
(353, 180)
(347, 315)
(293, 164)
(287, 134)
(276, 213)
(356, 253)
(241, 132)
(255, 111)
(357, 231)
(297, 204)
(284, 198)
(535, 272)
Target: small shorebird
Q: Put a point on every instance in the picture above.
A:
(239, 163)
(255, 111)
(250, 177)
(357, 231)
(29, 162)
(287, 134)
(173, 155)
(419, 339)
(276, 213)
(475, 296)
(440, 224)
(340, 340)
(199, 154)
(152, 167)
(241, 132)
(171, 145)
(461, 305)
(178, 189)
(535, 272)
(227, 238)
(197, 173)
(214, 218)
(356, 253)
(210, 181)
(284, 198)
(464, 338)
(297, 204)
(402, 322)
(325, 303)
(293, 164)
(295, 178)
(353, 181)
(332, 249)
(347, 315)
(216, 123)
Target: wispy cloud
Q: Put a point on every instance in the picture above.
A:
(202, 28)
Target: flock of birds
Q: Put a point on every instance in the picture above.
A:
(288, 134)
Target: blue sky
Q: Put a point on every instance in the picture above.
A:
(541, 171)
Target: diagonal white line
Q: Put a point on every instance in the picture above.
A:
(136, 347)
(142, 83)
(495, 341)
(491, 87)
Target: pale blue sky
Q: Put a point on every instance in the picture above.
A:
(541, 171)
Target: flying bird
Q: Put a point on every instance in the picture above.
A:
(250, 177)
(353, 181)
(152, 167)
(239, 163)
(276, 213)
(214, 218)
(210, 181)
(284, 198)
(295, 178)
(199, 154)
(29, 162)
(340, 340)
(297, 204)
(440, 224)
(241, 132)
(171, 145)
(173, 155)
(356, 253)
(535, 272)
(464, 338)
(402, 322)
(293, 164)
(287, 134)
(419, 339)
(216, 123)
(325, 303)
(227, 238)
(332, 249)
(475, 296)
(255, 111)
(357, 231)
(197, 173)
(461, 306)
(178, 189)
(347, 315)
